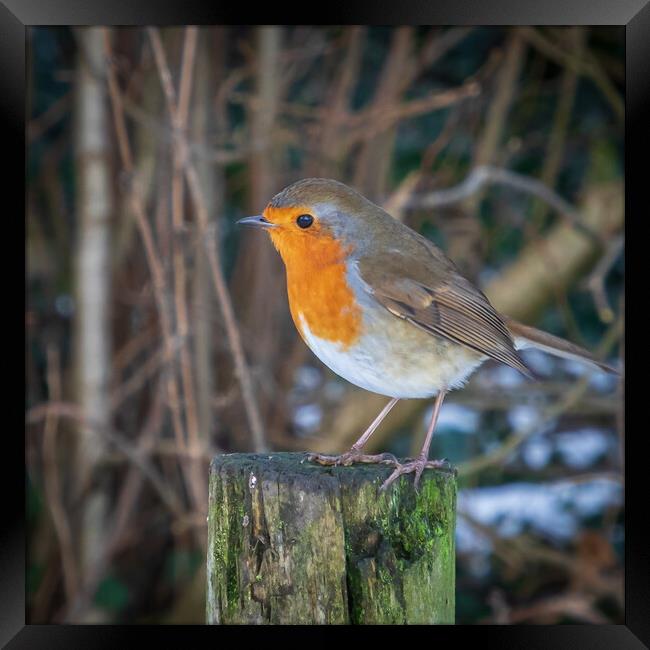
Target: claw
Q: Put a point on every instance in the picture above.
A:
(417, 466)
(418, 473)
(390, 479)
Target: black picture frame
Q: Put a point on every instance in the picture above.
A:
(634, 15)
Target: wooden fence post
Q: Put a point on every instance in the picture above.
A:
(294, 542)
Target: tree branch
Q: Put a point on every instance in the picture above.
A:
(490, 175)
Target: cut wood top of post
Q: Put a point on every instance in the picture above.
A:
(297, 463)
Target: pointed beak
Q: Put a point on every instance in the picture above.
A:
(257, 221)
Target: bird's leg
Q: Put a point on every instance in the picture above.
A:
(422, 461)
(355, 455)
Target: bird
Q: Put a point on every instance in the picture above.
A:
(385, 308)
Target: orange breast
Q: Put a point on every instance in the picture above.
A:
(317, 286)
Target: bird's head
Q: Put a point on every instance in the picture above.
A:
(318, 220)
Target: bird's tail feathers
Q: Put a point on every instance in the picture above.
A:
(530, 337)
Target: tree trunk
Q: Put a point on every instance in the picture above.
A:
(94, 207)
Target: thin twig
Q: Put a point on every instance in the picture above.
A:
(437, 46)
(153, 260)
(126, 502)
(338, 102)
(579, 606)
(131, 486)
(587, 68)
(192, 470)
(178, 255)
(514, 552)
(496, 116)
(490, 175)
(51, 480)
(132, 348)
(399, 198)
(556, 141)
(56, 111)
(218, 156)
(223, 296)
(596, 280)
(138, 378)
(74, 412)
(376, 119)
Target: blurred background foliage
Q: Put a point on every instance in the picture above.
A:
(159, 335)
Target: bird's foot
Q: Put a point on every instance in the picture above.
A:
(353, 456)
(417, 466)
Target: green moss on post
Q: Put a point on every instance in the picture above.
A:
(295, 542)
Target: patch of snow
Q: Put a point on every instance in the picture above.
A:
(537, 452)
(604, 382)
(503, 376)
(555, 510)
(576, 368)
(523, 416)
(307, 378)
(598, 379)
(307, 418)
(582, 448)
(456, 417)
(540, 362)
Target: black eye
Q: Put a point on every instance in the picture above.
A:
(305, 220)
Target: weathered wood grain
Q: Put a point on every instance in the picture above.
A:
(294, 542)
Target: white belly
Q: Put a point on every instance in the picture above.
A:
(412, 365)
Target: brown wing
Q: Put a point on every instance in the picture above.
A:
(447, 305)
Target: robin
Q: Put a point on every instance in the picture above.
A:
(386, 309)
